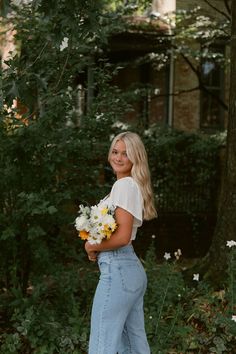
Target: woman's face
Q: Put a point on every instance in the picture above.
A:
(119, 161)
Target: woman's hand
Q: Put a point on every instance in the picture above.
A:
(92, 255)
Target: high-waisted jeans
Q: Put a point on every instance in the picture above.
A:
(117, 321)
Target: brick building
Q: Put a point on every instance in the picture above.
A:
(187, 94)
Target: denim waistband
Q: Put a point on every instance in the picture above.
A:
(126, 250)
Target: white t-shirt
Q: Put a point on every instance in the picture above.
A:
(126, 194)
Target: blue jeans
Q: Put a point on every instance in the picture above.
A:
(117, 321)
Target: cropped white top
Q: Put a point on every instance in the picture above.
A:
(126, 194)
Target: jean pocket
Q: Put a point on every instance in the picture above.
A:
(104, 268)
(132, 277)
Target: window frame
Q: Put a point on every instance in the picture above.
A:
(214, 89)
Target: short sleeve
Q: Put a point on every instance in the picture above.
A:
(126, 194)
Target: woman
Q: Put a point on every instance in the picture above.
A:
(117, 323)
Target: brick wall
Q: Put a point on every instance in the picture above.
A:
(186, 106)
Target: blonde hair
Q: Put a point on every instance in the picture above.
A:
(140, 171)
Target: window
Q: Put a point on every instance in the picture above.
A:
(212, 75)
(151, 104)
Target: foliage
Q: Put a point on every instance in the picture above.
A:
(203, 25)
(52, 158)
(49, 159)
(186, 318)
(54, 317)
(180, 317)
(183, 164)
(165, 289)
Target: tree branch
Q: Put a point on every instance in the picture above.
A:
(218, 99)
(218, 10)
(201, 84)
(177, 93)
(226, 2)
(62, 71)
(195, 70)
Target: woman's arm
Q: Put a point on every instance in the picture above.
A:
(121, 237)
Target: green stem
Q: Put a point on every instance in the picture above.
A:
(173, 322)
(162, 305)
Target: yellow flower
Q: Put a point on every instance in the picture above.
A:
(83, 235)
(104, 211)
(113, 226)
(108, 230)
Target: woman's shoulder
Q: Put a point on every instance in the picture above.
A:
(125, 182)
(127, 195)
(126, 185)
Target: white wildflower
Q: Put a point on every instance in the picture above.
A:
(99, 117)
(231, 243)
(196, 277)
(167, 256)
(120, 125)
(234, 318)
(148, 132)
(82, 223)
(178, 253)
(64, 43)
(94, 240)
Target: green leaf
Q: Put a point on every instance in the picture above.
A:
(35, 231)
(52, 210)
(8, 233)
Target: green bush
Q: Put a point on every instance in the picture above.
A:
(52, 159)
(185, 169)
(188, 318)
(180, 317)
(54, 318)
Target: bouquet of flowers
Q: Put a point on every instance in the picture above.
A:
(95, 223)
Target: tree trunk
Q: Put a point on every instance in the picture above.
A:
(226, 218)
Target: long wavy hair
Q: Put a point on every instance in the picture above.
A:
(140, 170)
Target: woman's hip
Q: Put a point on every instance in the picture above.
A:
(123, 270)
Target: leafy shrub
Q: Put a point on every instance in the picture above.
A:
(188, 318)
(180, 317)
(185, 169)
(51, 159)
